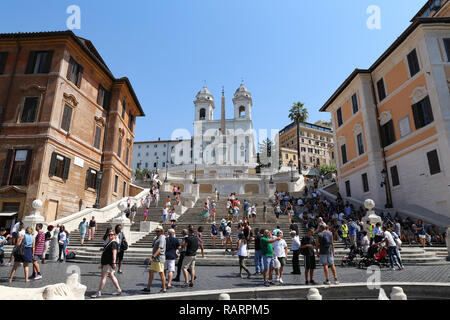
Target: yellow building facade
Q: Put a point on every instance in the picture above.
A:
(392, 121)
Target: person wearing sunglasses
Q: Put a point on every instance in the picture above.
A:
(108, 264)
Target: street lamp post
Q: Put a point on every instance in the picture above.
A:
(291, 163)
(99, 181)
(167, 165)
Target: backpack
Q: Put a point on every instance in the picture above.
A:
(19, 251)
(325, 240)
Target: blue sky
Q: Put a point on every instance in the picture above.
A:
(285, 50)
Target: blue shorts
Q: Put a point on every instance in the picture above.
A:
(82, 235)
(236, 213)
(267, 262)
(164, 217)
(327, 258)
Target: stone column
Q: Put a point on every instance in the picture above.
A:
(123, 220)
(35, 216)
(447, 240)
(196, 190)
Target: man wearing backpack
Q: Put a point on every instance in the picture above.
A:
(325, 252)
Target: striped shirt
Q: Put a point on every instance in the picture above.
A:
(39, 243)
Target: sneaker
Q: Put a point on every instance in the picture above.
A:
(271, 282)
(266, 284)
(145, 290)
(390, 269)
(281, 280)
(249, 275)
(312, 282)
(38, 277)
(185, 285)
(120, 272)
(32, 276)
(162, 291)
(96, 295)
(327, 282)
(306, 283)
(336, 282)
(191, 284)
(176, 279)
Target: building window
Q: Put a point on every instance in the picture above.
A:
(39, 62)
(241, 112)
(17, 167)
(66, 118)
(287, 156)
(91, 179)
(124, 108)
(303, 149)
(294, 157)
(146, 154)
(103, 97)
(339, 117)
(116, 182)
(433, 162)
(119, 147)
(347, 189)
(446, 45)
(387, 134)
(422, 113)
(154, 164)
(359, 138)
(404, 127)
(413, 63)
(29, 110)
(164, 164)
(344, 154)
(146, 165)
(124, 190)
(394, 176)
(127, 155)
(3, 58)
(156, 153)
(75, 72)
(303, 159)
(59, 166)
(355, 103)
(98, 136)
(365, 182)
(130, 121)
(381, 90)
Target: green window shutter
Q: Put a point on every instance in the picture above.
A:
(53, 164)
(7, 167)
(66, 168)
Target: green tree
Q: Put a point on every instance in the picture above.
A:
(298, 114)
(326, 169)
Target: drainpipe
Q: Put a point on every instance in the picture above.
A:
(8, 93)
(386, 176)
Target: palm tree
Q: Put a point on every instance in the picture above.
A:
(298, 114)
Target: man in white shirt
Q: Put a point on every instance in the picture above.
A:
(388, 239)
(280, 252)
(295, 252)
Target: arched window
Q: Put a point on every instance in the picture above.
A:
(202, 114)
(241, 112)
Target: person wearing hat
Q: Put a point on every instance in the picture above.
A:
(158, 259)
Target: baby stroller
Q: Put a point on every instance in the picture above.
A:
(375, 256)
(349, 260)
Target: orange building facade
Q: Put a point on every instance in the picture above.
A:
(65, 120)
(392, 121)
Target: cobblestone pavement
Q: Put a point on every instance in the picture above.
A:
(134, 278)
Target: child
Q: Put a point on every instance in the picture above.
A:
(145, 214)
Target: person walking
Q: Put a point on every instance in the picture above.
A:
(352, 231)
(258, 257)
(392, 249)
(242, 252)
(214, 233)
(280, 253)
(38, 250)
(325, 252)
(82, 227)
(307, 250)
(92, 228)
(344, 230)
(267, 256)
(48, 238)
(172, 245)
(182, 250)
(23, 253)
(200, 240)
(157, 260)
(123, 245)
(295, 253)
(3, 241)
(165, 213)
(228, 239)
(133, 212)
(108, 265)
(63, 236)
(191, 246)
(264, 212)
